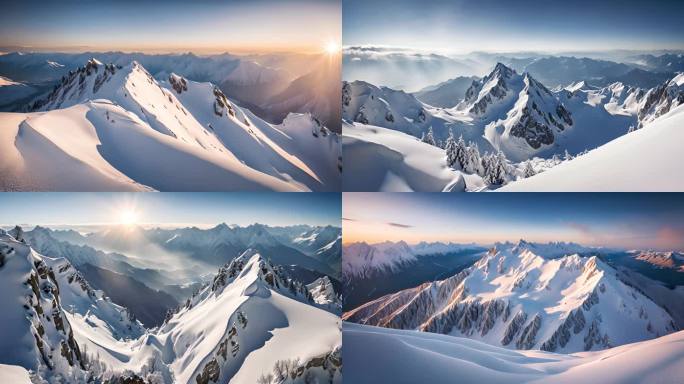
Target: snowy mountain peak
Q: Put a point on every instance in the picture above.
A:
(501, 70)
(46, 303)
(495, 89)
(324, 294)
(515, 298)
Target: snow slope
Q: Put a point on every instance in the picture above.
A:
(615, 165)
(381, 355)
(40, 296)
(382, 159)
(515, 298)
(102, 122)
(14, 374)
(235, 329)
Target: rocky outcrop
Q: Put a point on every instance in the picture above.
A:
(529, 333)
(573, 324)
(74, 84)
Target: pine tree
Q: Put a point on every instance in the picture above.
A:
(567, 156)
(473, 163)
(495, 168)
(528, 171)
(461, 152)
(429, 138)
(450, 149)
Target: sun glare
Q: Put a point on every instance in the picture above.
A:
(128, 217)
(332, 48)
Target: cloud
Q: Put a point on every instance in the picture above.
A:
(348, 219)
(399, 225)
(584, 229)
(670, 238)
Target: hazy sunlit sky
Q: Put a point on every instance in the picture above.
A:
(169, 209)
(199, 26)
(612, 219)
(462, 26)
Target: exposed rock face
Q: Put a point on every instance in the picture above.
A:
(210, 372)
(542, 114)
(45, 312)
(74, 84)
(178, 83)
(514, 327)
(501, 294)
(661, 99)
(574, 323)
(529, 333)
(496, 84)
(221, 105)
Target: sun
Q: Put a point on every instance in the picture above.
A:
(332, 48)
(128, 217)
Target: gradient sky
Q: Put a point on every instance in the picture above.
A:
(654, 221)
(461, 26)
(200, 26)
(170, 209)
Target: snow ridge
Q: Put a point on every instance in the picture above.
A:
(515, 298)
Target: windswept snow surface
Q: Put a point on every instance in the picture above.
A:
(641, 161)
(13, 374)
(380, 355)
(116, 128)
(386, 160)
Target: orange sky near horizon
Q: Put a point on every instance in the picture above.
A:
(201, 27)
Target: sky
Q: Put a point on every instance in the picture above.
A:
(157, 26)
(462, 26)
(168, 209)
(625, 220)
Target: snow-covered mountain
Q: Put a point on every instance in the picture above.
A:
(317, 92)
(446, 94)
(12, 91)
(370, 271)
(613, 166)
(515, 298)
(203, 141)
(359, 259)
(380, 355)
(362, 258)
(322, 243)
(40, 297)
(191, 251)
(250, 320)
(667, 260)
(323, 293)
(504, 111)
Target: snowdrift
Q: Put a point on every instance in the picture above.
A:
(643, 160)
(107, 127)
(381, 355)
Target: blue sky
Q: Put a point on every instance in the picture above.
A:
(610, 219)
(171, 26)
(463, 26)
(170, 209)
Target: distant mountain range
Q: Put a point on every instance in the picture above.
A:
(254, 81)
